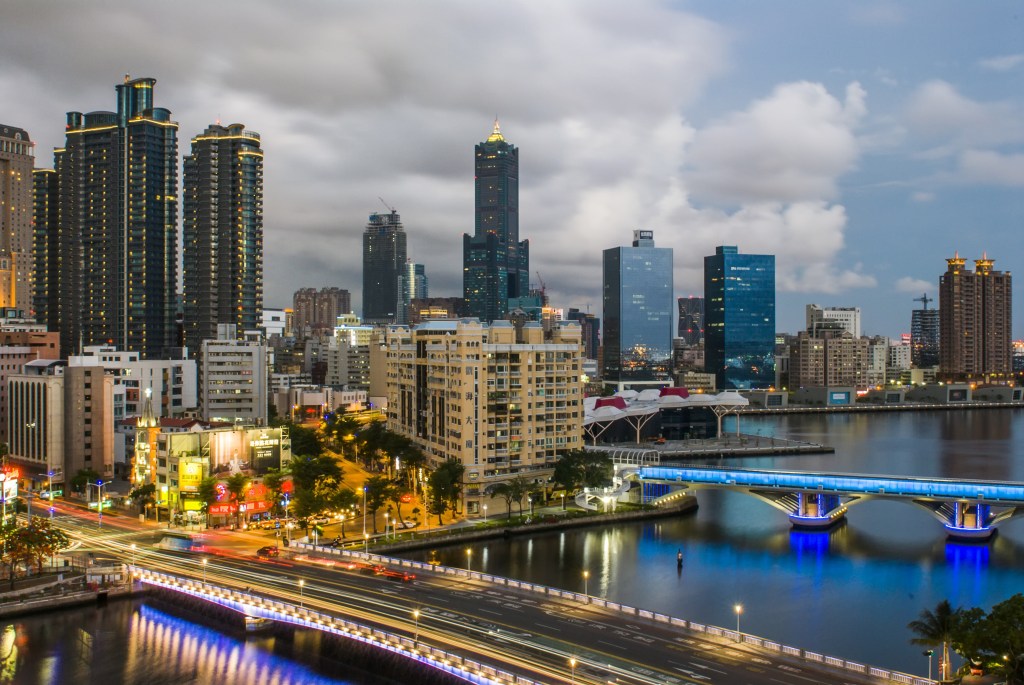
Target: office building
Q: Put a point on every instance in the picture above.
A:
(691, 320)
(233, 377)
(427, 308)
(412, 285)
(975, 309)
(833, 318)
(384, 261)
(502, 401)
(924, 336)
(495, 263)
(315, 312)
(222, 233)
(17, 269)
(739, 319)
(638, 313)
(115, 245)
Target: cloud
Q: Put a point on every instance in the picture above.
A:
(882, 14)
(1003, 63)
(923, 196)
(936, 111)
(986, 166)
(790, 146)
(908, 284)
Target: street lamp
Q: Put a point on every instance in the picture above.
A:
(99, 502)
(586, 581)
(469, 560)
(205, 562)
(366, 542)
(928, 653)
(563, 500)
(416, 615)
(301, 584)
(739, 610)
(572, 669)
(343, 525)
(485, 513)
(530, 500)
(387, 517)
(364, 510)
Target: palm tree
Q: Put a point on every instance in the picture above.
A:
(935, 629)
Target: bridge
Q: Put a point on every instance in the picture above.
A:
(968, 509)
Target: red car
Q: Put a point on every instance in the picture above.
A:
(269, 552)
(405, 498)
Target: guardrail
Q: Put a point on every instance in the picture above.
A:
(723, 633)
(260, 607)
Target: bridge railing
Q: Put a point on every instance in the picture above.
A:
(260, 607)
(722, 634)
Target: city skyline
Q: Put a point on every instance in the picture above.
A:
(818, 136)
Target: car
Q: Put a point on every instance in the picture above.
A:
(270, 552)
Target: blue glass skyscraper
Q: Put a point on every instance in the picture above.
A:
(739, 319)
(638, 313)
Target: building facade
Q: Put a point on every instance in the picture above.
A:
(691, 320)
(739, 323)
(638, 316)
(502, 401)
(115, 243)
(412, 285)
(829, 318)
(495, 263)
(46, 248)
(384, 262)
(316, 311)
(924, 337)
(975, 310)
(17, 268)
(222, 233)
(233, 378)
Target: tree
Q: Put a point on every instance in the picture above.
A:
(445, 484)
(143, 496)
(376, 495)
(504, 491)
(273, 481)
(937, 629)
(577, 469)
(996, 639)
(237, 484)
(83, 476)
(306, 442)
(306, 470)
(208, 495)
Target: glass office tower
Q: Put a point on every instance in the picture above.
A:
(638, 312)
(739, 319)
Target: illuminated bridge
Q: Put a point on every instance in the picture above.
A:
(968, 509)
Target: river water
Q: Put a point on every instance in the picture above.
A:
(849, 592)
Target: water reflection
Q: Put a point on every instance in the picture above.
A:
(129, 642)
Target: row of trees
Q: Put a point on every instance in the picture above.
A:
(30, 545)
(992, 641)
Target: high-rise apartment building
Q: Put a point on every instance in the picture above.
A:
(495, 263)
(691, 320)
(831, 358)
(924, 336)
(638, 312)
(739, 319)
(17, 270)
(222, 233)
(46, 248)
(115, 241)
(384, 260)
(233, 377)
(412, 285)
(501, 400)
(975, 309)
(315, 312)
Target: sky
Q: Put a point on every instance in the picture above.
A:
(862, 143)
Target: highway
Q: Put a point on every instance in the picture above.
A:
(547, 639)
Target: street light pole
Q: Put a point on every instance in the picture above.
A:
(364, 510)
(739, 610)
(485, 513)
(205, 562)
(99, 502)
(586, 583)
(366, 542)
(572, 668)
(928, 653)
(416, 615)
(301, 601)
(469, 560)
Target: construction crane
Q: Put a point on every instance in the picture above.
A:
(390, 208)
(543, 285)
(925, 300)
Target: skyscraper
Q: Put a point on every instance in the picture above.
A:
(638, 304)
(46, 248)
(222, 233)
(316, 312)
(691, 320)
(495, 264)
(924, 335)
(17, 157)
(412, 285)
(739, 319)
(384, 257)
(116, 239)
(975, 309)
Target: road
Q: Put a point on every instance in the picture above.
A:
(534, 635)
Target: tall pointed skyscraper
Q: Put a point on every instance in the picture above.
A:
(116, 241)
(495, 264)
(16, 268)
(222, 233)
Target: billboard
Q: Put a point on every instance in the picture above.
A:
(190, 474)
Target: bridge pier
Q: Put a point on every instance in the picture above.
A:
(970, 521)
(817, 510)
